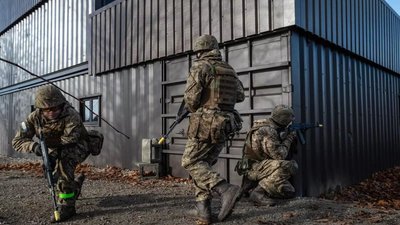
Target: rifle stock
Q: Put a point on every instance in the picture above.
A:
(48, 174)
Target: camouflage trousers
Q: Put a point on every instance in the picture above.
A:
(273, 176)
(64, 163)
(198, 159)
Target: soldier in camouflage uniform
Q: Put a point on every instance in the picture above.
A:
(212, 90)
(66, 138)
(267, 146)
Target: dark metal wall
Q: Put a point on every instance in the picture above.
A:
(359, 105)
(367, 28)
(263, 65)
(127, 32)
(11, 10)
(51, 38)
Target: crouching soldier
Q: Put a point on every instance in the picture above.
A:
(67, 141)
(264, 165)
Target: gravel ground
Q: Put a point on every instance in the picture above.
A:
(24, 199)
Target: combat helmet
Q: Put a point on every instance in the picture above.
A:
(49, 96)
(282, 115)
(205, 42)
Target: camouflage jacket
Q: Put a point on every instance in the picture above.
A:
(200, 76)
(265, 141)
(64, 132)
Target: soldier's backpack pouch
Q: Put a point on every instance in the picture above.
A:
(219, 127)
(95, 142)
(200, 125)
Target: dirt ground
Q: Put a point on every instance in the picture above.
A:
(108, 199)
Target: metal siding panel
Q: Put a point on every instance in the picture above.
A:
(123, 33)
(163, 28)
(334, 14)
(226, 20)
(155, 29)
(135, 31)
(238, 19)
(250, 17)
(170, 27)
(178, 25)
(196, 20)
(216, 19)
(118, 35)
(339, 23)
(323, 19)
(129, 34)
(205, 17)
(98, 45)
(187, 25)
(107, 40)
(113, 37)
(147, 30)
(278, 16)
(102, 44)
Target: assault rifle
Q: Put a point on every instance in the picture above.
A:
(182, 113)
(48, 173)
(301, 127)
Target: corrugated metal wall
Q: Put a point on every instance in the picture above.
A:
(5, 120)
(359, 105)
(52, 38)
(130, 101)
(134, 31)
(263, 65)
(367, 28)
(11, 10)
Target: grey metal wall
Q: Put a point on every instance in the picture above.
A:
(367, 28)
(130, 101)
(263, 65)
(52, 38)
(127, 32)
(11, 10)
(359, 105)
(5, 112)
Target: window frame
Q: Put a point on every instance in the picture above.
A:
(83, 110)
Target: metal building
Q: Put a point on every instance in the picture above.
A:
(336, 62)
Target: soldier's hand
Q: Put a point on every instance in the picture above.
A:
(283, 135)
(291, 136)
(37, 150)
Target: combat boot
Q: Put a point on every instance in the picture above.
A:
(65, 212)
(259, 197)
(229, 193)
(79, 180)
(202, 212)
(247, 185)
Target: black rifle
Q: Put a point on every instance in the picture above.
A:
(182, 113)
(301, 127)
(48, 173)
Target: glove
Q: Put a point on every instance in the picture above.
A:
(291, 136)
(289, 139)
(37, 150)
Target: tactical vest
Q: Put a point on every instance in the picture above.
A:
(255, 152)
(222, 90)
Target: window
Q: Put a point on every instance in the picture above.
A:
(90, 110)
(101, 3)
